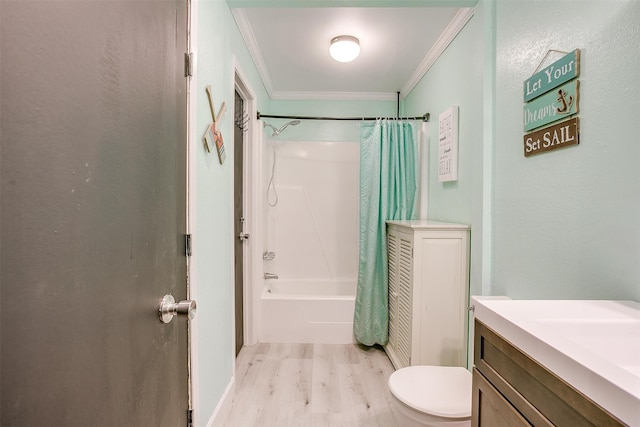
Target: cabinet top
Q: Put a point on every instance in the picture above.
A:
(425, 224)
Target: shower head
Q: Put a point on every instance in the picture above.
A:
(277, 132)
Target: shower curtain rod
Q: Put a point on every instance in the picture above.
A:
(424, 118)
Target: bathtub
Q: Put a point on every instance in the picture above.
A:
(307, 312)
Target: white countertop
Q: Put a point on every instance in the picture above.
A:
(593, 345)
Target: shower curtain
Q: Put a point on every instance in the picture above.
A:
(388, 190)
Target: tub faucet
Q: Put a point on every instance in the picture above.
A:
(268, 276)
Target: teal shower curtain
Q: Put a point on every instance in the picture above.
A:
(388, 190)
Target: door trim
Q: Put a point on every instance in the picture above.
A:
(192, 141)
(251, 171)
(190, 170)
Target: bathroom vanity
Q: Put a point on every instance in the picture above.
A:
(556, 363)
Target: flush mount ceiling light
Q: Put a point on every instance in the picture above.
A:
(344, 48)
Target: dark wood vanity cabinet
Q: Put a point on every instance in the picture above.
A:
(511, 389)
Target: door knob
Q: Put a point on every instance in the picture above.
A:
(169, 308)
(243, 236)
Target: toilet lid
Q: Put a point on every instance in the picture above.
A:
(442, 391)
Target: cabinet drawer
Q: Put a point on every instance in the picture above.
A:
(490, 408)
(539, 395)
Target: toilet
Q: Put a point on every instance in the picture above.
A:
(434, 396)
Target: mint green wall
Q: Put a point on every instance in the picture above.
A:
(563, 224)
(321, 130)
(218, 41)
(567, 222)
(456, 78)
(213, 225)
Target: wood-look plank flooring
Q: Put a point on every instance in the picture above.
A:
(311, 385)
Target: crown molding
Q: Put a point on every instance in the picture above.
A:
(351, 3)
(454, 27)
(456, 24)
(256, 54)
(253, 47)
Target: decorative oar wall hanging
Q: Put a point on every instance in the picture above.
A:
(213, 136)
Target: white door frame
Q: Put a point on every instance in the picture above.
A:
(252, 167)
(192, 138)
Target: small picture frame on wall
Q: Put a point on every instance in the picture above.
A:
(448, 145)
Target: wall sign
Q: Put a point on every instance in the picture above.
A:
(561, 71)
(550, 95)
(555, 136)
(448, 145)
(555, 105)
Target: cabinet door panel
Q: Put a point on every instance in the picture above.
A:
(490, 408)
(540, 395)
(405, 299)
(400, 265)
(392, 257)
(441, 308)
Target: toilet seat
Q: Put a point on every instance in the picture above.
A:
(441, 391)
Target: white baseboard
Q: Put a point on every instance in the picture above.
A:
(224, 405)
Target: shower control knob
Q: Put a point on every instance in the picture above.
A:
(243, 236)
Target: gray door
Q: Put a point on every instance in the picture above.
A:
(93, 129)
(238, 199)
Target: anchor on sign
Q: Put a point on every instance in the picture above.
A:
(566, 104)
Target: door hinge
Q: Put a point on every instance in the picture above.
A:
(188, 64)
(189, 417)
(187, 244)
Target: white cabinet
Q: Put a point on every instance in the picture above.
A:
(428, 293)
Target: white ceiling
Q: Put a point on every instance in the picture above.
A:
(290, 47)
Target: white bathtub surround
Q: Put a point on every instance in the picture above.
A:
(307, 312)
(592, 345)
(314, 228)
(313, 232)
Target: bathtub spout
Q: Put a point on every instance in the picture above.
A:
(268, 276)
